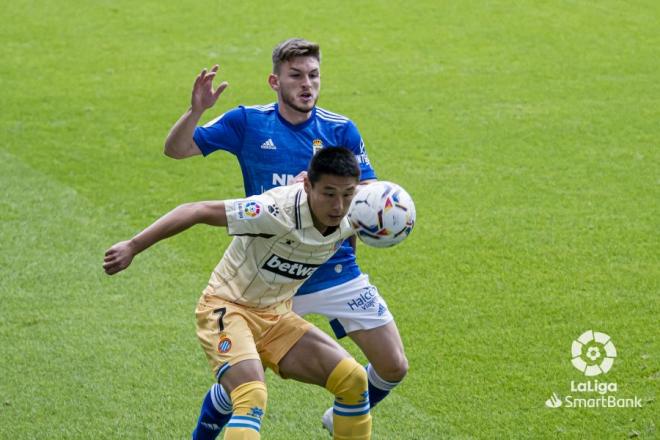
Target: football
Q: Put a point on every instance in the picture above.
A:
(382, 214)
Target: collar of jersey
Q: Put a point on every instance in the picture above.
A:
(291, 126)
(306, 220)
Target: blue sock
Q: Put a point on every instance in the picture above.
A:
(378, 388)
(214, 415)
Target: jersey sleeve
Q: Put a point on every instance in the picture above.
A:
(353, 141)
(255, 216)
(222, 133)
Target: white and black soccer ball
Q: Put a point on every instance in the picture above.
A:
(382, 214)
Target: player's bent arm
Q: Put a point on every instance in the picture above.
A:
(179, 219)
(120, 256)
(179, 143)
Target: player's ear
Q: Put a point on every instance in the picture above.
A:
(274, 82)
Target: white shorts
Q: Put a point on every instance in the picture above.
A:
(354, 305)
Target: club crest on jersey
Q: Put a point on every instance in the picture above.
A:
(248, 210)
(289, 269)
(317, 145)
(224, 345)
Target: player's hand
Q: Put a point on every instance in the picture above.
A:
(118, 257)
(300, 177)
(203, 95)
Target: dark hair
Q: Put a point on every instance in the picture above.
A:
(292, 48)
(337, 161)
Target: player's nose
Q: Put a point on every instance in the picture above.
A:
(339, 205)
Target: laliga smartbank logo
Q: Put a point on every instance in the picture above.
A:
(593, 354)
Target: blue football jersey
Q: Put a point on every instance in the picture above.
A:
(271, 152)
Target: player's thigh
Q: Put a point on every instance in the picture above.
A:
(312, 358)
(280, 334)
(225, 334)
(384, 349)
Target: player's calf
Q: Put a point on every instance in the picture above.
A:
(351, 417)
(214, 415)
(249, 405)
(388, 364)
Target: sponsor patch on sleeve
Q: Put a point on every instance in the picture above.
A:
(247, 209)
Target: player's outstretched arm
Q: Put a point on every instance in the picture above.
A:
(179, 143)
(120, 255)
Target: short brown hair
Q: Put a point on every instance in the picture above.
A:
(292, 48)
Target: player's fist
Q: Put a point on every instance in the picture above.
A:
(118, 257)
(203, 95)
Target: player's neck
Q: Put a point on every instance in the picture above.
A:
(325, 230)
(320, 226)
(292, 116)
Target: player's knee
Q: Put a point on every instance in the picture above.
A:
(396, 370)
(249, 399)
(391, 368)
(348, 382)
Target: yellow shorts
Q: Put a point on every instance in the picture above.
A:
(231, 333)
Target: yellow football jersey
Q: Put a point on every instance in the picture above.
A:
(275, 247)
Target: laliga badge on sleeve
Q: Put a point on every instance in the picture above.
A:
(248, 209)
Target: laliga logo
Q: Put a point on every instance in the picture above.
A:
(593, 353)
(252, 209)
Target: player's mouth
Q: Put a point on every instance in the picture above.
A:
(306, 96)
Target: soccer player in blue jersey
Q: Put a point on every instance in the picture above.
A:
(273, 144)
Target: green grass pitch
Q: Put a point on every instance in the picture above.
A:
(527, 132)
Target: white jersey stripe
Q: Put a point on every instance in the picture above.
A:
(213, 121)
(331, 114)
(262, 108)
(326, 118)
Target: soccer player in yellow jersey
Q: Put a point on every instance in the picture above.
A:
(244, 317)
